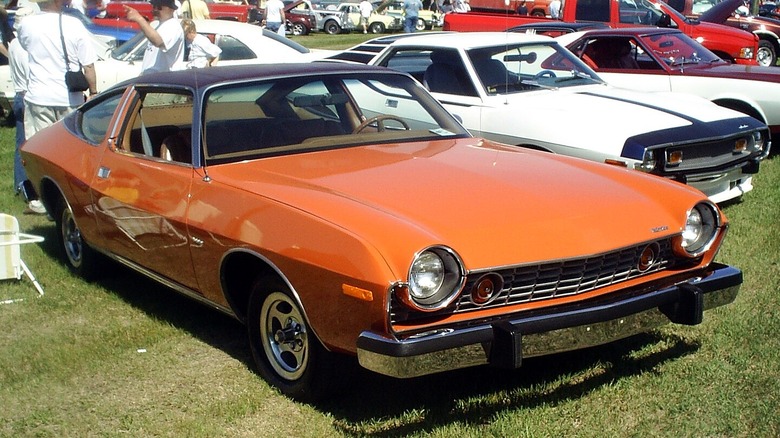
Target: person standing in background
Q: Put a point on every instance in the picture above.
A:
(19, 69)
(274, 15)
(166, 41)
(411, 13)
(195, 9)
(43, 36)
(555, 9)
(365, 13)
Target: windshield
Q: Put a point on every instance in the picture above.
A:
(126, 50)
(297, 115)
(519, 68)
(678, 50)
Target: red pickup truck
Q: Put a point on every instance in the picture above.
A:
(728, 43)
(217, 10)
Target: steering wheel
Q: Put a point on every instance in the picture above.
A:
(380, 123)
(545, 74)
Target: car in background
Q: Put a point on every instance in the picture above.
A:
(767, 29)
(377, 22)
(218, 10)
(556, 28)
(280, 195)
(668, 60)
(300, 18)
(528, 90)
(241, 43)
(426, 19)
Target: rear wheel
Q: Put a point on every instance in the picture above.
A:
(82, 259)
(287, 353)
(766, 55)
(376, 27)
(332, 28)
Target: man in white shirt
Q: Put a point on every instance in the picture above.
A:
(274, 15)
(365, 13)
(195, 9)
(46, 37)
(555, 9)
(166, 39)
(48, 99)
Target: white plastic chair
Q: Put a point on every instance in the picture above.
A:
(11, 263)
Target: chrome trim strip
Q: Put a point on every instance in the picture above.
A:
(169, 283)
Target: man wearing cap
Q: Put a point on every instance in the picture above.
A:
(166, 39)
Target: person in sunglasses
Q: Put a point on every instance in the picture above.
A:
(165, 35)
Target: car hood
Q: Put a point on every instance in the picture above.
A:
(493, 204)
(721, 11)
(602, 119)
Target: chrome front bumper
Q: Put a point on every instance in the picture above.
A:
(507, 341)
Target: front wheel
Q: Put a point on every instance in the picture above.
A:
(332, 28)
(287, 353)
(376, 28)
(299, 29)
(766, 55)
(420, 25)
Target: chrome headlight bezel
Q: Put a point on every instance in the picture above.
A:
(702, 224)
(436, 277)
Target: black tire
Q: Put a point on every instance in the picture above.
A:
(766, 55)
(80, 257)
(299, 29)
(376, 27)
(287, 353)
(331, 27)
(420, 25)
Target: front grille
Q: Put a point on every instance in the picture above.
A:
(543, 281)
(707, 155)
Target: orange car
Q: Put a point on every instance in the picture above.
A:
(339, 209)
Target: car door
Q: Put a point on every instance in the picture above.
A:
(141, 193)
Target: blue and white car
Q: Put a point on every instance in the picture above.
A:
(528, 90)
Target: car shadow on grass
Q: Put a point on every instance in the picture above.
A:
(369, 404)
(376, 405)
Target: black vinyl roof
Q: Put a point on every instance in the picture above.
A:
(205, 77)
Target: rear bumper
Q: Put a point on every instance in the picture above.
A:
(507, 341)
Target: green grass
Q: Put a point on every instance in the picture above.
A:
(125, 357)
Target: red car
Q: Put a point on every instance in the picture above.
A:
(217, 10)
(299, 22)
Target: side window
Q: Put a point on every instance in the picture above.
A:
(233, 49)
(592, 10)
(95, 119)
(160, 127)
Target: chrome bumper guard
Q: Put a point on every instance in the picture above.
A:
(506, 342)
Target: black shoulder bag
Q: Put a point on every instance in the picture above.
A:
(74, 80)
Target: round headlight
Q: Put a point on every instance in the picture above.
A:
(426, 275)
(435, 279)
(701, 227)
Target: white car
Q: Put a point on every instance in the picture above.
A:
(241, 43)
(528, 90)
